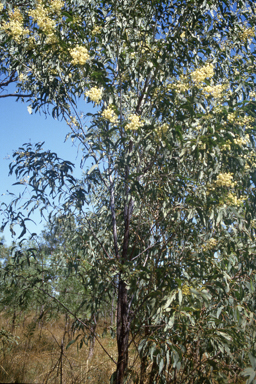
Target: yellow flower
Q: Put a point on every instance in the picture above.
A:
(231, 117)
(210, 244)
(215, 90)
(234, 200)
(240, 141)
(80, 55)
(225, 180)
(162, 129)
(135, 122)
(109, 114)
(96, 30)
(247, 33)
(21, 77)
(200, 74)
(185, 290)
(56, 5)
(95, 94)
(41, 16)
(15, 25)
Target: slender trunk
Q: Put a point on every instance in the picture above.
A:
(92, 338)
(143, 365)
(153, 374)
(112, 314)
(13, 321)
(122, 332)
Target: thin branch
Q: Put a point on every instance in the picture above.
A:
(113, 213)
(80, 321)
(16, 95)
(145, 250)
(96, 238)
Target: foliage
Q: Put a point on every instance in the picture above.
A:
(165, 212)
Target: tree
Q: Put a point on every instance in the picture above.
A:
(167, 205)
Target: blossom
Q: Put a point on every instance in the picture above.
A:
(135, 122)
(185, 290)
(95, 94)
(79, 54)
(109, 114)
(210, 244)
(21, 77)
(215, 90)
(200, 74)
(162, 129)
(231, 117)
(51, 39)
(240, 141)
(73, 121)
(96, 30)
(56, 5)
(227, 146)
(225, 180)
(1, 7)
(234, 200)
(41, 17)
(15, 25)
(247, 33)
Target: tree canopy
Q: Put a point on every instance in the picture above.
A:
(165, 208)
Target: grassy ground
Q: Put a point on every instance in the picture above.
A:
(41, 355)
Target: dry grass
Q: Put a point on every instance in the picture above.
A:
(41, 356)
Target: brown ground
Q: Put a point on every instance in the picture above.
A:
(37, 358)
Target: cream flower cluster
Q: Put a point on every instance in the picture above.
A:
(51, 39)
(185, 290)
(41, 16)
(109, 114)
(231, 117)
(1, 7)
(95, 94)
(216, 90)
(15, 26)
(225, 180)
(96, 30)
(24, 180)
(233, 200)
(56, 5)
(181, 85)
(200, 74)
(210, 244)
(73, 121)
(79, 54)
(241, 141)
(22, 77)
(162, 129)
(227, 145)
(135, 123)
(247, 33)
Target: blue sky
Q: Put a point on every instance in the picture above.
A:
(19, 127)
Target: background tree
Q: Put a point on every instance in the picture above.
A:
(166, 206)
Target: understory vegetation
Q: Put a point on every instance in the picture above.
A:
(34, 351)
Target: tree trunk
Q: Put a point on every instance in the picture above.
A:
(122, 332)
(92, 338)
(143, 364)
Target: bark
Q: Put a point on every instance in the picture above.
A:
(122, 332)
(143, 365)
(92, 338)
(153, 374)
